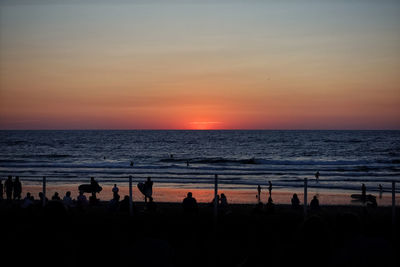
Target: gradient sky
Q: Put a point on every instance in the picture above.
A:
(200, 65)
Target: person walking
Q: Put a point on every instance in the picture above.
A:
(17, 189)
(270, 188)
(9, 188)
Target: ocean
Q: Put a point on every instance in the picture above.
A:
(190, 159)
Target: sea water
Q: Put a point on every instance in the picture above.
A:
(190, 159)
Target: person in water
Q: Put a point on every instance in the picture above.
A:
(380, 190)
(317, 176)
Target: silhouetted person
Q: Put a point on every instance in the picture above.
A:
(28, 202)
(8, 184)
(17, 188)
(314, 204)
(223, 203)
(1, 189)
(295, 202)
(81, 200)
(270, 205)
(363, 192)
(317, 176)
(67, 200)
(94, 185)
(270, 188)
(131, 163)
(189, 204)
(259, 193)
(187, 163)
(56, 197)
(43, 199)
(380, 190)
(212, 202)
(151, 206)
(113, 205)
(115, 189)
(124, 205)
(148, 187)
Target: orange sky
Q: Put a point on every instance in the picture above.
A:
(216, 65)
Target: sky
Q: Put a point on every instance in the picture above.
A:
(200, 64)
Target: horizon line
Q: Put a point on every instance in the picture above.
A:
(150, 129)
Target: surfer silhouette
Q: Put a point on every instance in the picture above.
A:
(363, 192)
(146, 188)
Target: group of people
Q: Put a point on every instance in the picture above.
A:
(12, 188)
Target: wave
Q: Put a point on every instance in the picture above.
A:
(270, 162)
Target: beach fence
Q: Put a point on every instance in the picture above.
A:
(393, 183)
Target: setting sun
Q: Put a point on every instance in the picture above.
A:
(205, 125)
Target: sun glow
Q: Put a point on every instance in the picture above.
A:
(205, 125)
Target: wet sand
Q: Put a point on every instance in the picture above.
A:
(234, 196)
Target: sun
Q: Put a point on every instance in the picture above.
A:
(204, 125)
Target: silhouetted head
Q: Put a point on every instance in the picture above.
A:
(223, 195)
(28, 195)
(115, 185)
(68, 194)
(315, 197)
(189, 194)
(294, 195)
(126, 198)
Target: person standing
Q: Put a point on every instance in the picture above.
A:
(363, 192)
(270, 188)
(9, 188)
(148, 189)
(17, 188)
(115, 190)
(189, 204)
(259, 193)
(1, 189)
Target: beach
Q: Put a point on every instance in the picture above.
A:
(335, 235)
(234, 196)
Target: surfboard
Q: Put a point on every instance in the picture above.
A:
(87, 188)
(145, 191)
(360, 197)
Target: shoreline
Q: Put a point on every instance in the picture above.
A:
(234, 196)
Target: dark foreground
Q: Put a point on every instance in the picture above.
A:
(333, 236)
